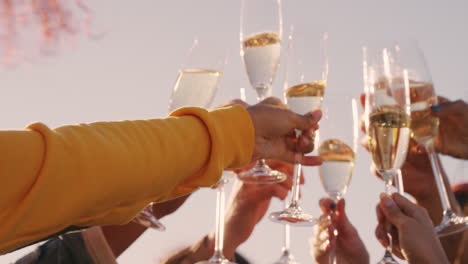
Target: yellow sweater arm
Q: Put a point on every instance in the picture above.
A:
(106, 172)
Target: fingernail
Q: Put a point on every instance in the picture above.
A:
(316, 114)
(435, 108)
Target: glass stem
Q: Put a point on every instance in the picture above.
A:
(388, 186)
(399, 183)
(333, 235)
(388, 250)
(296, 180)
(287, 242)
(219, 231)
(438, 177)
(388, 191)
(261, 163)
(287, 237)
(262, 92)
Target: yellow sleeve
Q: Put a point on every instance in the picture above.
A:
(106, 172)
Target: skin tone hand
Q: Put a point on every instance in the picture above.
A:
(274, 137)
(453, 128)
(417, 169)
(254, 199)
(274, 131)
(349, 247)
(416, 239)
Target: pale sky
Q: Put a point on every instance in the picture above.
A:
(129, 73)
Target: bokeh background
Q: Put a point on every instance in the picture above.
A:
(130, 71)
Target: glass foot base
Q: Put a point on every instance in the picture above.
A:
(293, 216)
(286, 258)
(451, 224)
(387, 261)
(261, 175)
(216, 260)
(387, 258)
(147, 219)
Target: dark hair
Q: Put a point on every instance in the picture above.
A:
(240, 259)
(461, 194)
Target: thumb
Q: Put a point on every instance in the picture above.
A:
(411, 209)
(391, 211)
(307, 121)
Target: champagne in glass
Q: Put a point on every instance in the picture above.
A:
(196, 85)
(389, 132)
(302, 98)
(335, 175)
(286, 255)
(261, 53)
(218, 256)
(260, 39)
(337, 167)
(338, 154)
(424, 127)
(388, 119)
(305, 82)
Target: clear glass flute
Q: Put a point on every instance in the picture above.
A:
(424, 126)
(218, 256)
(304, 83)
(286, 256)
(196, 85)
(338, 152)
(388, 117)
(260, 37)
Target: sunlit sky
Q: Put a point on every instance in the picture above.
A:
(129, 73)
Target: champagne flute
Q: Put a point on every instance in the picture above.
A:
(260, 37)
(196, 85)
(218, 256)
(304, 83)
(388, 115)
(199, 78)
(338, 154)
(424, 127)
(286, 256)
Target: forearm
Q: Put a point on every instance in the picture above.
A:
(123, 165)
